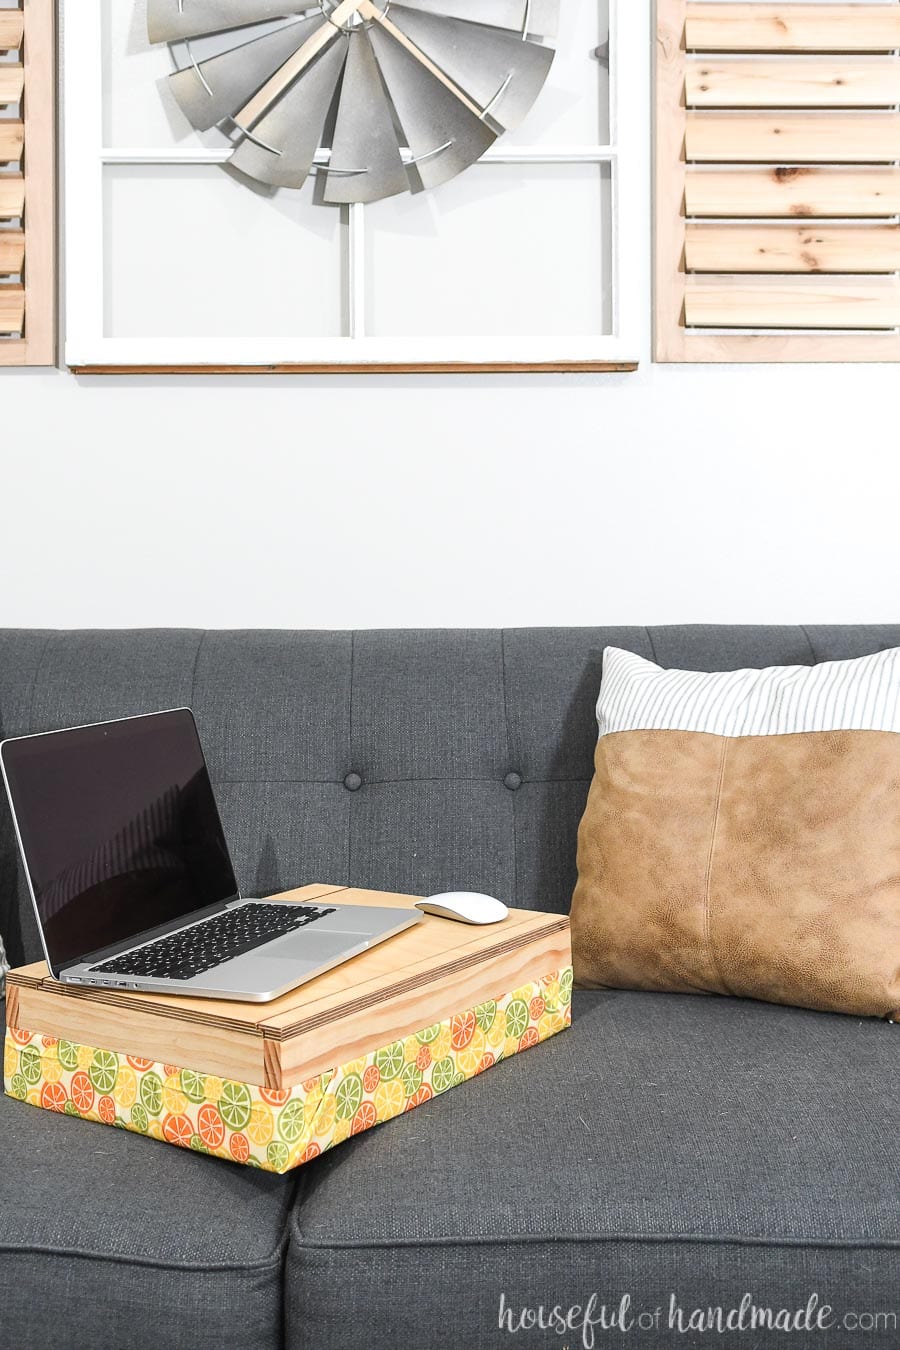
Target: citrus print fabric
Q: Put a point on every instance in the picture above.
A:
(281, 1128)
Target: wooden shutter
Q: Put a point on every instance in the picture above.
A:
(777, 182)
(27, 184)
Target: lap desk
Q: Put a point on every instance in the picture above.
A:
(275, 1084)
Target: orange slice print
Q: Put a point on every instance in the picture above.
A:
(53, 1097)
(177, 1130)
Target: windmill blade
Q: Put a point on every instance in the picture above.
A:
(443, 136)
(292, 129)
(172, 20)
(534, 18)
(214, 89)
(365, 136)
(498, 71)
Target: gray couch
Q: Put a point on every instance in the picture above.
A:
(666, 1145)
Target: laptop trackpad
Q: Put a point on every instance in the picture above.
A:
(311, 948)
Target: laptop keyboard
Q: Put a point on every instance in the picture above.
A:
(192, 951)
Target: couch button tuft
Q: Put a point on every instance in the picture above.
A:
(513, 781)
(353, 782)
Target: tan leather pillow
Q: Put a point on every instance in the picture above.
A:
(742, 834)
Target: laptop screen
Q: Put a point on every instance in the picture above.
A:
(119, 829)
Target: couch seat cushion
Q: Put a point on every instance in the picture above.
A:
(668, 1145)
(111, 1240)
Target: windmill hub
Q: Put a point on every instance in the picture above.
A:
(356, 20)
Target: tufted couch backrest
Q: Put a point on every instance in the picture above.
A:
(401, 760)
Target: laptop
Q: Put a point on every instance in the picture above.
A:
(131, 878)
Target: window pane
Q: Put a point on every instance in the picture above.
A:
(192, 252)
(573, 106)
(503, 250)
(138, 109)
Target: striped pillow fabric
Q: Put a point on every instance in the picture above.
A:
(742, 834)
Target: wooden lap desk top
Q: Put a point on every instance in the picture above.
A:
(423, 975)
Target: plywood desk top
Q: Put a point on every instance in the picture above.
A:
(418, 977)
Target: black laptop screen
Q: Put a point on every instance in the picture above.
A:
(119, 829)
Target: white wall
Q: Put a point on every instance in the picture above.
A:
(678, 494)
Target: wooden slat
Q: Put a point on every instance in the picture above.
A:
(12, 195)
(11, 84)
(792, 248)
(12, 23)
(792, 28)
(12, 251)
(792, 138)
(814, 82)
(40, 181)
(12, 135)
(808, 302)
(12, 308)
(669, 176)
(681, 242)
(792, 192)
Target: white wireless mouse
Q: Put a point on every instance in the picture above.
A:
(464, 906)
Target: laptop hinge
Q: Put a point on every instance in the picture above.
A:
(151, 934)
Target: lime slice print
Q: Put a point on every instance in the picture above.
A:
(197, 1144)
(70, 1109)
(290, 1122)
(565, 987)
(349, 1095)
(389, 1061)
(278, 1155)
(516, 1018)
(68, 1055)
(151, 1093)
(457, 1079)
(429, 1034)
(485, 1014)
(104, 1071)
(234, 1105)
(442, 1075)
(18, 1087)
(193, 1085)
(411, 1078)
(30, 1064)
(139, 1118)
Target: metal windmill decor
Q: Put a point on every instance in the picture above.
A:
(378, 98)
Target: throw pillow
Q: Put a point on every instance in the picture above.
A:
(742, 834)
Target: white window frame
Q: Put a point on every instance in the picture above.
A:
(86, 156)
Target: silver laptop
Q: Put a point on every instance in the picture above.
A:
(131, 878)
